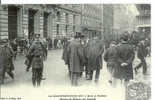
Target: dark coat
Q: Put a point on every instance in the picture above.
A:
(37, 53)
(65, 54)
(142, 51)
(76, 56)
(126, 55)
(6, 63)
(94, 51)
(111, 57)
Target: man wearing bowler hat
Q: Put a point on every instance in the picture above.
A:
(76, 59)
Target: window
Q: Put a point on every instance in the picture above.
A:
(74, 29)
(57, 29)
(73, 19)
(66, 28)
(58, 16)
(67, 19)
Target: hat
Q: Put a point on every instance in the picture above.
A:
(124, 37)
(3, 41)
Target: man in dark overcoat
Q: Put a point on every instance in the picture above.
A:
(76, 59)
(6, 60)
(125, 57)
(141, 54)
(111, 57)
(95, 50)
(65, 55)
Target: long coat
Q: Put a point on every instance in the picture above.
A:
(111, 57)
(6, 63)
(95, 49)
(65, 54)
(76, 56)
(126, 55)
(142, 50)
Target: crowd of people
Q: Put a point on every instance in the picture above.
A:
(84, 55)
(36, 53)
(81, 54)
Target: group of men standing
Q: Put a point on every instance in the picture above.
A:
(119, 58)
(85, 55)
(81, 54)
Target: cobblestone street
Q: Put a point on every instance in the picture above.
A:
(56, 74)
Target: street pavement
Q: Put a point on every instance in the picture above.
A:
(57, 81)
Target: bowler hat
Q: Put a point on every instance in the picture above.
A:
(124, 37)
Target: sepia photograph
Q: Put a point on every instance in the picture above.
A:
(75, 52)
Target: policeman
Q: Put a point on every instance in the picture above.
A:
(37, 52)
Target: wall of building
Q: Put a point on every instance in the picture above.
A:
(107, 20)
(143, 20)
(92, 18)
(97, 18)
(36, 25)
(124, 17)
(3, 22)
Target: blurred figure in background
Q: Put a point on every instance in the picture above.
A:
(141, 54)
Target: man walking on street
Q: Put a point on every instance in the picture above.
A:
(76, 57)
(6, 60)
(111, 57)
(37, 52)
(125, 58)
(141, 54)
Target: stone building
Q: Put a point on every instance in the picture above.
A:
(63, 20)
(124, 17)
(48, 20)
(107, 21)
(92, 19)
(118, 18)
(143, 19)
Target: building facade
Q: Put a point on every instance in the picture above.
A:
(48, 20)
(144, 19)
(124, 17)
(92, 19)
(57, 21)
